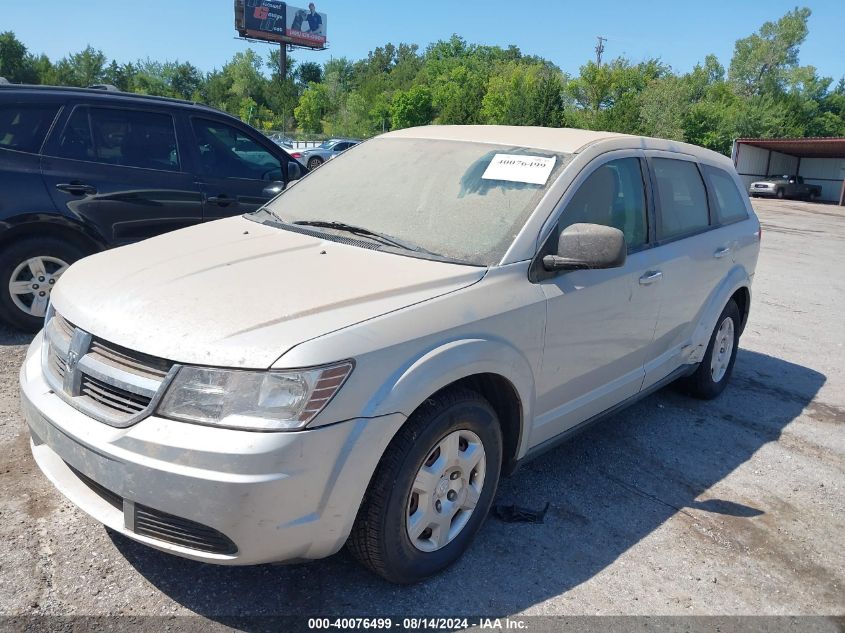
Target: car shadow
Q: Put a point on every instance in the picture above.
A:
(608, 488)
(8, 336)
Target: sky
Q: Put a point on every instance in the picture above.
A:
(202, 32)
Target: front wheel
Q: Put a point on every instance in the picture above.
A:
(715, 370)
(779, 194)
(432, 490)
(28, 271)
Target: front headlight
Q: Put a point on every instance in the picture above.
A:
(252, 400)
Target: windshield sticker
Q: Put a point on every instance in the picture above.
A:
(534, 170)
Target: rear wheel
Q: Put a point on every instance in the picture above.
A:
(315, 162)
(28, 271)
(714, 372)
(813, 195)
(432, 489)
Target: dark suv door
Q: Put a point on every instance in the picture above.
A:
(238, 171)
(120, 170)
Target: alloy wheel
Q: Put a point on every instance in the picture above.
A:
(723, 346)
(32, 281)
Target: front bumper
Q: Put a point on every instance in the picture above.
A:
(276, 496)
(768, 191)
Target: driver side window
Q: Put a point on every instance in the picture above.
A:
(613, 195)
(227, 152)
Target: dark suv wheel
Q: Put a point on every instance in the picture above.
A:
(28, 271)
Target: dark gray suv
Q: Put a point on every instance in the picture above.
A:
(82, 170)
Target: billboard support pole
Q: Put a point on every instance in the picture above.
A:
(283, 71)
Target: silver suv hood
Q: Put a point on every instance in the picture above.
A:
(235, 293)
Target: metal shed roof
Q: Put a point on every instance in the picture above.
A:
(805, 147)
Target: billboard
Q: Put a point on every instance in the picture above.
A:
(274, 21)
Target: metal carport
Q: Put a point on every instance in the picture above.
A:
(819, 160)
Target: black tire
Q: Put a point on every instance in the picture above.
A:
(11, 256)
(813, 195)
(701, 383)
(315, 162)
(779, 194)
(379, 538)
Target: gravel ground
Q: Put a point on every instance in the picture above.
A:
(673, 507)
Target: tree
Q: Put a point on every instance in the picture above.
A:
(16, 64)
(523, 94)
(309, 73)
(84, 68)
(762, 61)
(411, 108)
(313, 106)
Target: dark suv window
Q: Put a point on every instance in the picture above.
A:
(728, 201)
(23, 126)
(683, 200)
(130, 138)
(227, 152)
(613, 195)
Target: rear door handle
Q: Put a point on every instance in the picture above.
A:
(722, 252)
(222, 200)
(77, 189)
(650, 277)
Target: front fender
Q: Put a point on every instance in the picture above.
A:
(417, 380)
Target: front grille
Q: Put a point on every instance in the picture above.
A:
(110, 383)
(178, 531)
(122, 358)
(107, 495)
(111, 397)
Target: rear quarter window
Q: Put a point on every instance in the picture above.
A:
(23, 126)
(729, 203)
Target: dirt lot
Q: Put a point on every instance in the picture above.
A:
(675, 506)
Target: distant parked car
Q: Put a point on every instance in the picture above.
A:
(316, 156)
(784, 187)
(84, 170)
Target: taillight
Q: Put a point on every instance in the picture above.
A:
(296, 155)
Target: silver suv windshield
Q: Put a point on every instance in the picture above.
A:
(443, 197)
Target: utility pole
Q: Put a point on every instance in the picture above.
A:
(599, 49)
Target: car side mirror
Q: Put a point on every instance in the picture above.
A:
(273, 189)
(588, 246)
(295, 170)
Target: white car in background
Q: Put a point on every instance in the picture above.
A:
(316, 156)
(359, 361)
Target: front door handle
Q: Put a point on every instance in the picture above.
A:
(222, 200)
(722, 252)
(650, 277)
(77, 189)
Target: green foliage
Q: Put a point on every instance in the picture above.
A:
(765, 91)
(411, 107)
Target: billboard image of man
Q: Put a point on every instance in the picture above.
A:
(315, 22)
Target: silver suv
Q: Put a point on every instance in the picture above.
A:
(359, 361)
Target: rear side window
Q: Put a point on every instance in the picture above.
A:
(613, 195)
(729, 203)
(23, 126)
(129, 138)
(683, 199)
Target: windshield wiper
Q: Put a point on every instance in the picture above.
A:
(360, 230)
